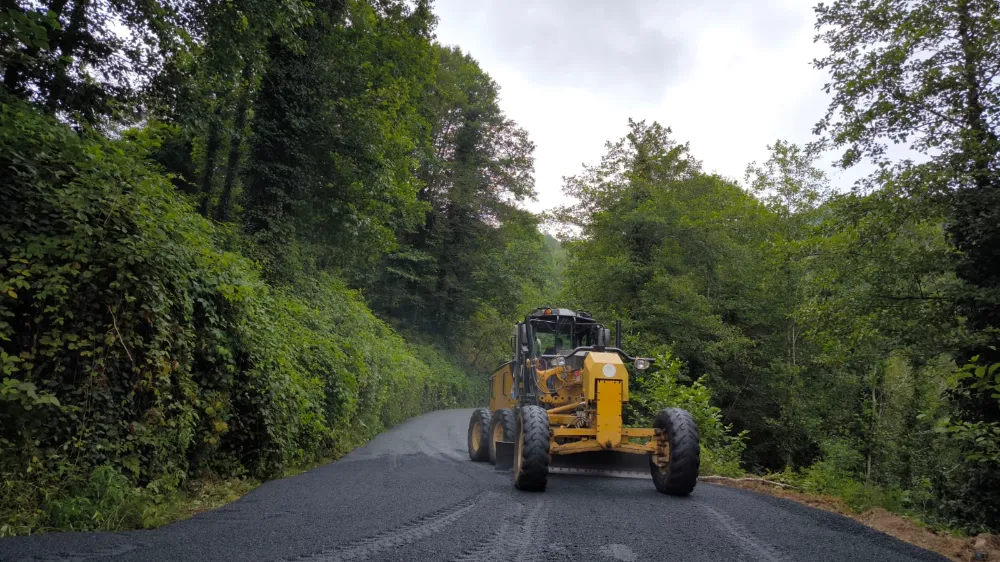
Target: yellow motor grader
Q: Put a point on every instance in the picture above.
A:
(557, 406)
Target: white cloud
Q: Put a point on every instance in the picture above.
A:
(729, 76)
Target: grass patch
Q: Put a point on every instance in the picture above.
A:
(200, 496)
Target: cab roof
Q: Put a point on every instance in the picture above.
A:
(565, 312)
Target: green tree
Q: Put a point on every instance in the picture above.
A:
(476, 249)
(789, 182)
(924, 74)
(335, 124)
(681, 256)
(206, 89)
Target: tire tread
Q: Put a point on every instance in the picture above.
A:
(681, 475)
(482, 454)
(534, 426)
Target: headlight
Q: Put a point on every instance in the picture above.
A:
(642, 364)
(558, 361)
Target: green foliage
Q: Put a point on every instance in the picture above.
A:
(789, 182)
(476, 260)
(971, 496)
(657, 388)
(344, 156)
(923, 74)
(839, 473)
(984, 437)
(335, 127)
(142, 346)
(64, 56)
(136, 354)
(912, 72)
(103, 500)
(684, 258)
(824, 325)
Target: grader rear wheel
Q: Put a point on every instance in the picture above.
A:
(479, 435)
(675, 463)
(504, 428)
(531, 449)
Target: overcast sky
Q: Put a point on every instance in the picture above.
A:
(729, 76)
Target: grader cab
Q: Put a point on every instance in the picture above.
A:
(557, 406)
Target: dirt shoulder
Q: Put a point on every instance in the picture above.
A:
(959, 549)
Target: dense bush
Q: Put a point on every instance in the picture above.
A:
(658, 388)
(136, 354)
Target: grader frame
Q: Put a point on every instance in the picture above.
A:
(572, 399)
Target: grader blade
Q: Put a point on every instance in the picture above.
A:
(505, 455)
(602, 463)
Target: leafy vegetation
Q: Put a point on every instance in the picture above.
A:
(148, 353)
(206, 204)
(191, 232)
(852, 336)
(823, 328)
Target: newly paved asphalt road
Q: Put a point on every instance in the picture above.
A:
(413, 494)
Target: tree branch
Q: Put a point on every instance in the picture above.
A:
(746, 479)
(121, 340)
(912, 298)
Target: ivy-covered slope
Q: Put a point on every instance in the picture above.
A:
(136, 351)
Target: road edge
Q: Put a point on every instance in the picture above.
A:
(900, 527)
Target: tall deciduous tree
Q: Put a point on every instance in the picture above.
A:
(925, 73)
(335, 125)
(476, 247)
(681, 256)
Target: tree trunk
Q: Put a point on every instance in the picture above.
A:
(975, 219)
(981, 140)
(793, 343)
(67, 42)
(235, 148)
(211, 151)
(873, 437)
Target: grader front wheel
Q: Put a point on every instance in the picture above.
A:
(531, 449)
(479, 435)
(675, 463)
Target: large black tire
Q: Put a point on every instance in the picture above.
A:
(531, 449)
(680, 475)
(479, 435)
(504, 427)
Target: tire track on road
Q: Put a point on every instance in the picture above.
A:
(489, 549)
(743, 536)
(523, 542)
(100, 554)
(407, 533)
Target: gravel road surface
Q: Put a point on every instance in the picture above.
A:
(413, 494)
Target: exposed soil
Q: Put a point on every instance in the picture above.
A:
(960, 549)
